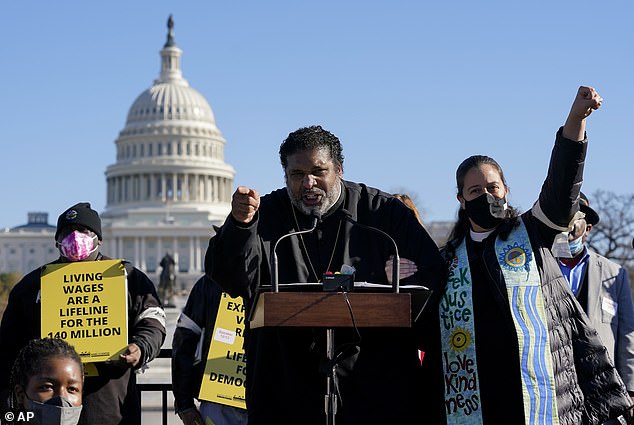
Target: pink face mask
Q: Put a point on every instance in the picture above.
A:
(77, 246)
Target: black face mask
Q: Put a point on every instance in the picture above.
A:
(486, 210)
(55, 411)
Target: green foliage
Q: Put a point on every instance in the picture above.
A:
(7, 281)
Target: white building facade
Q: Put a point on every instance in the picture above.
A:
(167, 188)
(169, 184)
(26, 247)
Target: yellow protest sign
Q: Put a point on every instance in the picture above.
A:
(86, 304)
(225, 369)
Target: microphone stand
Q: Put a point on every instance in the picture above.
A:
(331, 387)
(396, 260)
(330, 398)
(274, 263)
(331, 390)
(331, 395)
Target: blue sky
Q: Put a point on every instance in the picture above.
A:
(410, 87)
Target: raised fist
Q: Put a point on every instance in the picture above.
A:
(244, 204)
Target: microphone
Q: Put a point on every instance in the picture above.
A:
(315, 216)
(396, 261)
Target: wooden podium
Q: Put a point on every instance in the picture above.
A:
(305, 306)
(330, 310)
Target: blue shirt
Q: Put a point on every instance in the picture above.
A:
(574, 274)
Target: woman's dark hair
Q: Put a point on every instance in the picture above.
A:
(32, 356)
(309, 138)
(462, 226)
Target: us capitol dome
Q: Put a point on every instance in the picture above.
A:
(169, 184)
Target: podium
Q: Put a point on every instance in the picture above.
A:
(330, 310)
(370, 306)
(340, 304)
(305, 305)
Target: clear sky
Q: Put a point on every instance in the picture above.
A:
(410, 87)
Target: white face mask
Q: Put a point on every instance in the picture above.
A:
(55, 411)
(576, 245)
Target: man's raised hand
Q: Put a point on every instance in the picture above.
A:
(244, 204)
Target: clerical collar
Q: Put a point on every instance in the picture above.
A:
(479, 236)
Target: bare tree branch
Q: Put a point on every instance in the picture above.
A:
(612, 236)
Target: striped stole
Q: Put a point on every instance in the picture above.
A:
(522, 280)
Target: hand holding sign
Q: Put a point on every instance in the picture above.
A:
(129, 358)
(191, 417)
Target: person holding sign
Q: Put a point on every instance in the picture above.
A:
(47, 379)
(508, 342)
(377, 368)
(110, 396)
(191, 344)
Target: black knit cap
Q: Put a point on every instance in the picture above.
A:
(584, 205)
(80, 214)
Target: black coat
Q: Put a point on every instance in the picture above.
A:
(284, 382)
(588, 388)
(201, 308)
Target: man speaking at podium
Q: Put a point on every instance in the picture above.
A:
(377, 376)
